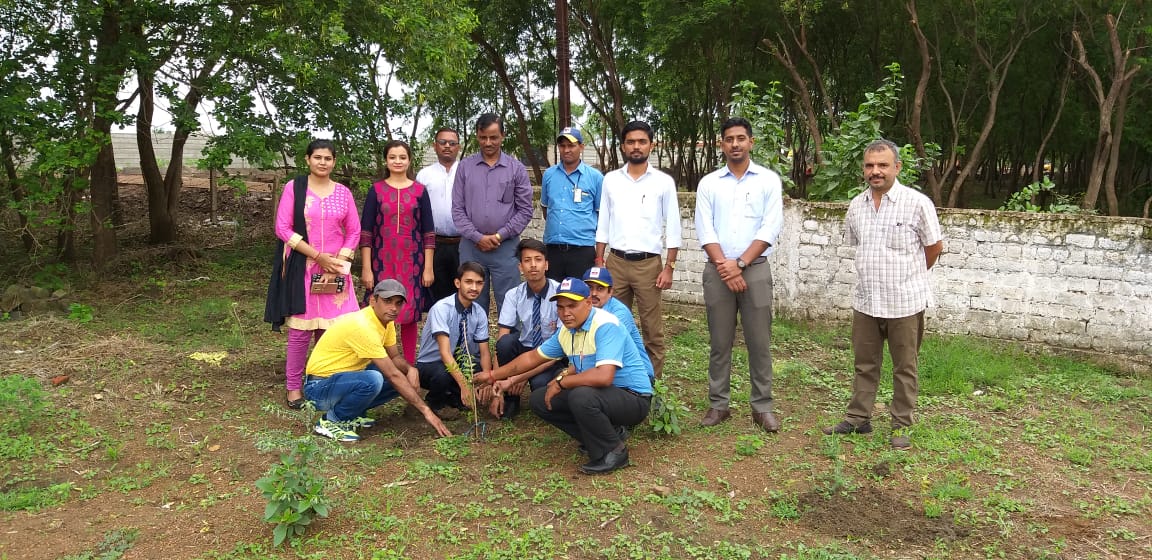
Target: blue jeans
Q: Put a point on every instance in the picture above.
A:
(348, 395)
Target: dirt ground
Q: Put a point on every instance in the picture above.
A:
(191, 495)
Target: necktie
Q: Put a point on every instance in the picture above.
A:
(462, 333)
(535, 335)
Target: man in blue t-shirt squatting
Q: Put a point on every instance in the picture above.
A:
(608, 390)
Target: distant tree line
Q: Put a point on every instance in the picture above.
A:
(989, 96)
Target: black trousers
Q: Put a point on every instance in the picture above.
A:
(591, 414)
(445, 263)
(509, 347)
(442, 388)
(569, 260)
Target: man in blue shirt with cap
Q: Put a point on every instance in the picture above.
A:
(599, 282)
(609, 389)
(570, 199)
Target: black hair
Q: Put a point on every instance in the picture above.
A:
(447, 129)
(636, 125)
(488, 119)
(734, 122)
(469, 266)
(531, 244)
(400, 144)
(321, 144)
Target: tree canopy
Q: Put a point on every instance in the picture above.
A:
(990, 96)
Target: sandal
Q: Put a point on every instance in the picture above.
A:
(296, 404)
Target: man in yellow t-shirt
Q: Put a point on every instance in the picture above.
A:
(357, 365)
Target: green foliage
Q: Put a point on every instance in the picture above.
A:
(295, 492)
(1023, 200)
(748, 444)
(667, 410)
(839, 175)
(80, 313)
(35, 498)
(766, 113)
(114, 545)
(23, 404)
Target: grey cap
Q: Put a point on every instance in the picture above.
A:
(388, 287)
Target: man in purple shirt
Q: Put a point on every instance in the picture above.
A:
(491, 206)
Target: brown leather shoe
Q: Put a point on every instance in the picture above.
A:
(714, 416)
(766, 420)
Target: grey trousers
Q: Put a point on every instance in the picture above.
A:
(754, 306)
(904, 336)
(502, 270)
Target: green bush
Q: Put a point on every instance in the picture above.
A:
(23, 403)
(667, 410)
(294, 491)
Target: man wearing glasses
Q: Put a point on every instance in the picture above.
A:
(437, 179)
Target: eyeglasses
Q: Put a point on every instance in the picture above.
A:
(452, 143)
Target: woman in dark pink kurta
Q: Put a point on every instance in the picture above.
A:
(397, 239)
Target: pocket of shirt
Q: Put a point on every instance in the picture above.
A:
(901, 237)
(509, 192)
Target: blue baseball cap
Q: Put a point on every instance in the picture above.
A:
(572, 134)
(599, 275)
(572, 288)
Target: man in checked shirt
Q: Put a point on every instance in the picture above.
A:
(897, 238)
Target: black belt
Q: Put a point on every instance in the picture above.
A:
(634, 255)
(565, 247)
(448, 239)
(638, 394)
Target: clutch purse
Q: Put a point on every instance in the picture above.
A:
(334, 286)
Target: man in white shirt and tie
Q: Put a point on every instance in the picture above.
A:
(437, 179)
(639, 218)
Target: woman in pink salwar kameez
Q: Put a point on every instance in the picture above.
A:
(333, 232)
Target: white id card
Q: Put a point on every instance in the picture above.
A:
(577, 195)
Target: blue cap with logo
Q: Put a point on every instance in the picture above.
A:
(572, 134)
(572, 288)
(599, 275)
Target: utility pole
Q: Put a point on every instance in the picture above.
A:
(564, 101)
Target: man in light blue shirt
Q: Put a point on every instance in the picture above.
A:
(456, 328)
(570, 199)
(739, 215)
(609, 390)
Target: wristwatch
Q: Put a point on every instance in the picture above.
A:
(741, 264)
(560, 378)
(671, 264)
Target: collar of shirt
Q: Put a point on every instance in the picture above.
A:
(893, 193)
(503, 161)
(647, 173)
(753, 169)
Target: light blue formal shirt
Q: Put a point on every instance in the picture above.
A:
(732, 212)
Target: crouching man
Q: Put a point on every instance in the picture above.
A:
(357, 365)
(608, 389)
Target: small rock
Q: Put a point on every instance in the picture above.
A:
(213, 448)
(59, 293)
(60, 380)
(977, 393)
(97, 397)
(662, 491)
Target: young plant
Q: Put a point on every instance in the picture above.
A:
(294, 491)
(667, 410)
(466, 366)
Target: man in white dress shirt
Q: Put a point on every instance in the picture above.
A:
(739, 215)
(639, 218)
(437, 179)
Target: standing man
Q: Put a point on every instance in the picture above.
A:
(438, 179)
(608, 390)
(570, 198)
(526, 321)
(897, 239)
(357, 365)
(639, 216)
(739, 215)
(491, 205)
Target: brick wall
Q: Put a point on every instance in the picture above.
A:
(1079, 282)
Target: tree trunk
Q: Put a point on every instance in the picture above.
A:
(7, 154)
(914, 120)
(803, 94)
(109, 69)
(1114, 151)
(1038, 161)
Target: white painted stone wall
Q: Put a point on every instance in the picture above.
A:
(1079, 282)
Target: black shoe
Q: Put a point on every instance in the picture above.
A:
(622, 433)
(612, 461)
(511, 408)
(847, 427)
